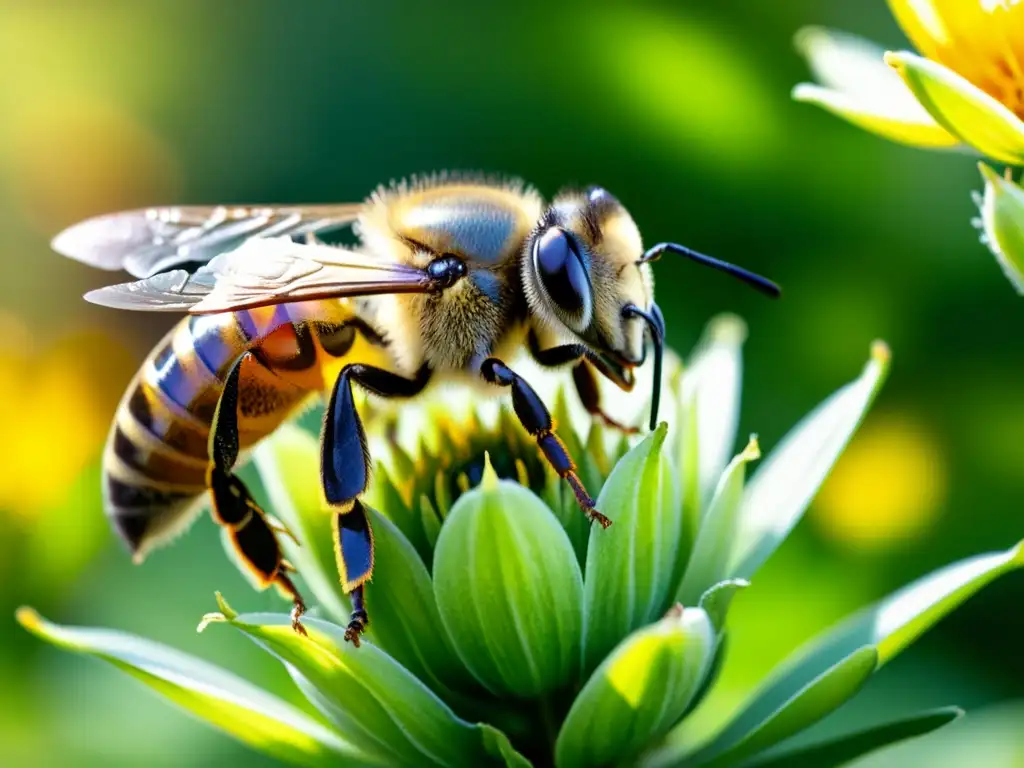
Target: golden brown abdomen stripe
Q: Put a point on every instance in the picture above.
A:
(156, 456)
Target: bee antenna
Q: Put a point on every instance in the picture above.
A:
(656, 325)
(763, 284)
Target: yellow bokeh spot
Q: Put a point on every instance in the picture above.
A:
(74, 156)
(55, 407)
(887, 487)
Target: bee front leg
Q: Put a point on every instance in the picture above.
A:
(234, 508)
(345, 473)
(536, 418)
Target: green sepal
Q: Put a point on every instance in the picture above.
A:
(509, 589)
(638, 692)
(630, 565)
(1002, 224)
(406, 623)
(369, 697)
(709, 560)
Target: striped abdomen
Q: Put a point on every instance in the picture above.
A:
(156, 457)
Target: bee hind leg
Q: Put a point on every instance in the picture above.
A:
(251, 533)
(345, 473)
(536, 418)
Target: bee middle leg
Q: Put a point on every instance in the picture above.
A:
(536, 419)
(233, 507)
(345, 473)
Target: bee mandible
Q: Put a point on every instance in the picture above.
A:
(450, 277)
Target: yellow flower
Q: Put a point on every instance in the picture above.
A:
(966, 87)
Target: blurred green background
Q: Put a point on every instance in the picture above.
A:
(680, 108)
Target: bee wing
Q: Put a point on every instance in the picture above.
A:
(148, 241)
(265, 271)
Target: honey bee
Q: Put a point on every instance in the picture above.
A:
(451, 276)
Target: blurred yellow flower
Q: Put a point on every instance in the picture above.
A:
(886, 488)
(967, 86)
(55, 408)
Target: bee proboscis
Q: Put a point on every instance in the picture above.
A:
(450, 277)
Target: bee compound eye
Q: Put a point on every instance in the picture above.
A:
(563, 276)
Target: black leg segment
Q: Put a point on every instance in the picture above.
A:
(233, 506)
(590, 395)
(536, 418)
(583, 376)
(345, 473)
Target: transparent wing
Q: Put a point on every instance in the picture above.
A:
(265, 271)
(148, 241)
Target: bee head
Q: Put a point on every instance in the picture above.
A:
(582, 269)
(586, 273)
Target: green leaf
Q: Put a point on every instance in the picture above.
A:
(1002, 222)
(289, 467)
(709, 560)
(509, 589)
(639, 692)
(849, 747)
(896, 621)
(630, 566)
(889, 626)
(214, 695)
(788, 479)
(756, 730)
(713, 383)
(406, 622)
(369, 697)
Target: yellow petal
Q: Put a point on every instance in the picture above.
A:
(961, 108)
(929, 135)
(1002, 221)
(981, 40)
(859, 87)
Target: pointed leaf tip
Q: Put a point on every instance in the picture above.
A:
(227, 610)
(29, 618)
(728, 329)
(880, 352)
(489, 481)
(752, 452)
